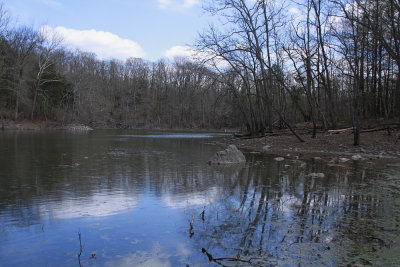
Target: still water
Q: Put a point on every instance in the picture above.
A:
(150, 199)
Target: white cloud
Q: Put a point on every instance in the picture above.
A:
(177, 4)
(294, 11)
(105, 45)
(51, 3)
(164, 3)
(180, 51)
(193, 54)
(297, 15)
(190, 3)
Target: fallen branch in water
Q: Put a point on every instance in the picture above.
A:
(80, 248)
(202, 214)
(217, 260)
(191, 227)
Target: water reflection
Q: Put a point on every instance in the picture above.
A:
(97, 205)
(156, 257)
(134, 198)
(279, 214)
(170, 136)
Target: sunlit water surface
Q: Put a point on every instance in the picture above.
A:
(151, 199)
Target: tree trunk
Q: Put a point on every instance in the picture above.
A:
(35, 93)
(16, 106)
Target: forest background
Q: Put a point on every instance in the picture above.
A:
(259, 69)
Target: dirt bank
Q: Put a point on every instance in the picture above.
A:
(26, 125)
(374, 145)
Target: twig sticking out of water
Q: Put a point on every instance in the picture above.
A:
(218, 260)
(191, 227)
(210, 257)
(80, 248)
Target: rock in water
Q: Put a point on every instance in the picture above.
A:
(316, 175)
(78, 128)
(231, 155)
(267, 147)
(357, 157)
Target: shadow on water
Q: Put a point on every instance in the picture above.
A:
(140, 199)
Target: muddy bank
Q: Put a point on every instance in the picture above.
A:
(27, 125)
(41, 125)
(333, 148)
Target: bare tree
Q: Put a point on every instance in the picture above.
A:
(247, 47)
(46, 46)
(22, 43)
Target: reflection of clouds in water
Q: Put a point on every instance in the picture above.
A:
(140, 259)
(182, 250)
(289, 204)
(170, 136)
(98, 205)
(154, 258)
(192, 199)
(143, 258)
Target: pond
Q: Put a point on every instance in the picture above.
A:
(149, 198)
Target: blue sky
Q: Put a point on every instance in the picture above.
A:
(151, 29)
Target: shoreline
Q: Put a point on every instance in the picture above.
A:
(330, 148)
(374, 145)
(37, 125)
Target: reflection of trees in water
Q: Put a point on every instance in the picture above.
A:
(52, 169)
(41, 171)
(278, 213)
(270, 210)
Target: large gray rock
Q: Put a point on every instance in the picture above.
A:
(343, 160)
(231, 155)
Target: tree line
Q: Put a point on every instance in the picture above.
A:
(317, 61)
(42, 80)
(266, 65)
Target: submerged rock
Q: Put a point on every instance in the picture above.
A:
(266, 148)
(316, 175)
(342, 160)
(303, 164)
(357, 157)
(231, 155)
(279, 159)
